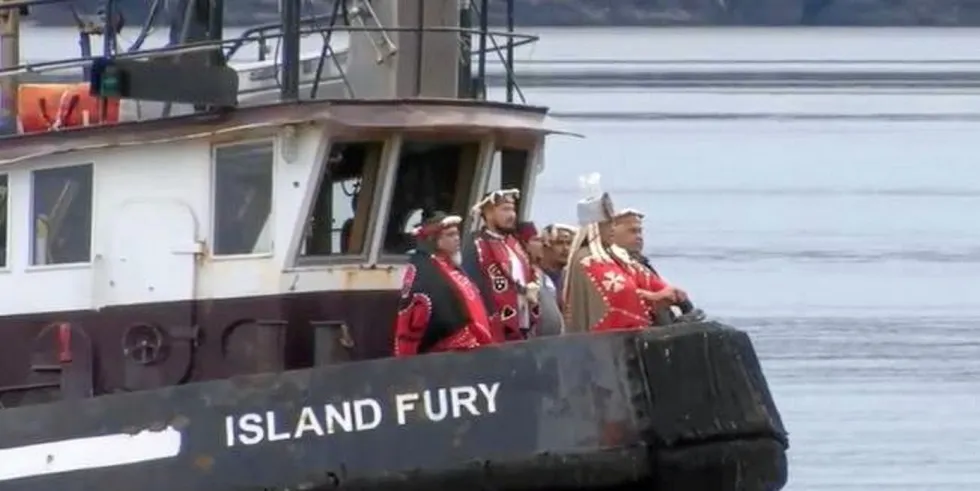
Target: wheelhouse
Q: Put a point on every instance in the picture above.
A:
(280, 230)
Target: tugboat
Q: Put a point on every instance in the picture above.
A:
(204, 302)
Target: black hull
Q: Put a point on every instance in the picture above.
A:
(685, 408)
(200, 341)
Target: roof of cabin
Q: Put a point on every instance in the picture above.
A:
(368, 114)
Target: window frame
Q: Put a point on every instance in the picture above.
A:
(301, 260)
(213, 193)
(535, 164)
(488, 149)
(534, 155)
(480, 173)
(32, 220)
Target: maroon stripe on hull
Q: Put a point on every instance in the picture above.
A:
(50, 356)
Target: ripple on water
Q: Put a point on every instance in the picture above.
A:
(888, 404)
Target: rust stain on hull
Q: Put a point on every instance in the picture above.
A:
(198, 341)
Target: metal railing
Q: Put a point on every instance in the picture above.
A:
(504, 51)
(311, 25)
(261, 33)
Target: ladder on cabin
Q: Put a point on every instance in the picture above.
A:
(364, 17)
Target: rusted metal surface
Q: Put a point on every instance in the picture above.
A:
(578, 411)
(414, 114)
(201, 340)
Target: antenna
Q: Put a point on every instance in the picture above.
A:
(290, 13)
(216, 25)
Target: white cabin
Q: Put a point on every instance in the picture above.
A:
(255, 205)
(165, 250)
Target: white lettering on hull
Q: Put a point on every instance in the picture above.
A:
(88, 453)
(453, 402)
(430, 405)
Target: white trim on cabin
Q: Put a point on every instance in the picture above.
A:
(535, 165)
(312, 179)
(276, 161)
(296, 190)
(318, 180)
(32, 218)
(484, 170)
(153, 216)
(386, 191)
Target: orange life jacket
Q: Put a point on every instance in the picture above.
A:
(50, 107)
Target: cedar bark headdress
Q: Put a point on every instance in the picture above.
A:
(550, 232)
(428, 231)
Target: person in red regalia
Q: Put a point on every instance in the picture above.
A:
(628, 244)
(602, 291)
(497, 262)
(440, 308)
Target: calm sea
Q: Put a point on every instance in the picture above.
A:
(849, 249)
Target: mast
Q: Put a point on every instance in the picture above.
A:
(9, 58)
(290, 14)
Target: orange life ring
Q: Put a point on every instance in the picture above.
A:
(48, 107)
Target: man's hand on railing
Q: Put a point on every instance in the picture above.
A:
(663, 298)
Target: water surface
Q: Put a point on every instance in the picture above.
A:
(850, 250)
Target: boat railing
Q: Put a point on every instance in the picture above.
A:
(263, 33)
(500, 43)
(487, 39)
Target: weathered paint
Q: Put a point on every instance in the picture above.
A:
(478, 117)
(202, 340)
(153, 272)
(94, 452)
(576, 411)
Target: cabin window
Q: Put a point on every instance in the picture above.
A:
(4, 193)
(431, 176)
(340, 213)
(62, 215)
(510, 171)
(243, 198)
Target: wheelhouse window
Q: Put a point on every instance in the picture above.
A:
(62, 215)
(4, 199)
(510, 171)
(243, 198)
(340, 214)
(431, 176)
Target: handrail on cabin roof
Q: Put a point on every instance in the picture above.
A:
(513, 39)
(272, 26)
(16, 4)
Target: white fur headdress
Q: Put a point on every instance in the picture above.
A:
(629, 212)
(596, 206)
(495, 198)
(550, 232)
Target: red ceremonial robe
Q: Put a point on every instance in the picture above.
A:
(440, 309)
(648, 279)
(619, 286)
(487, 261)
